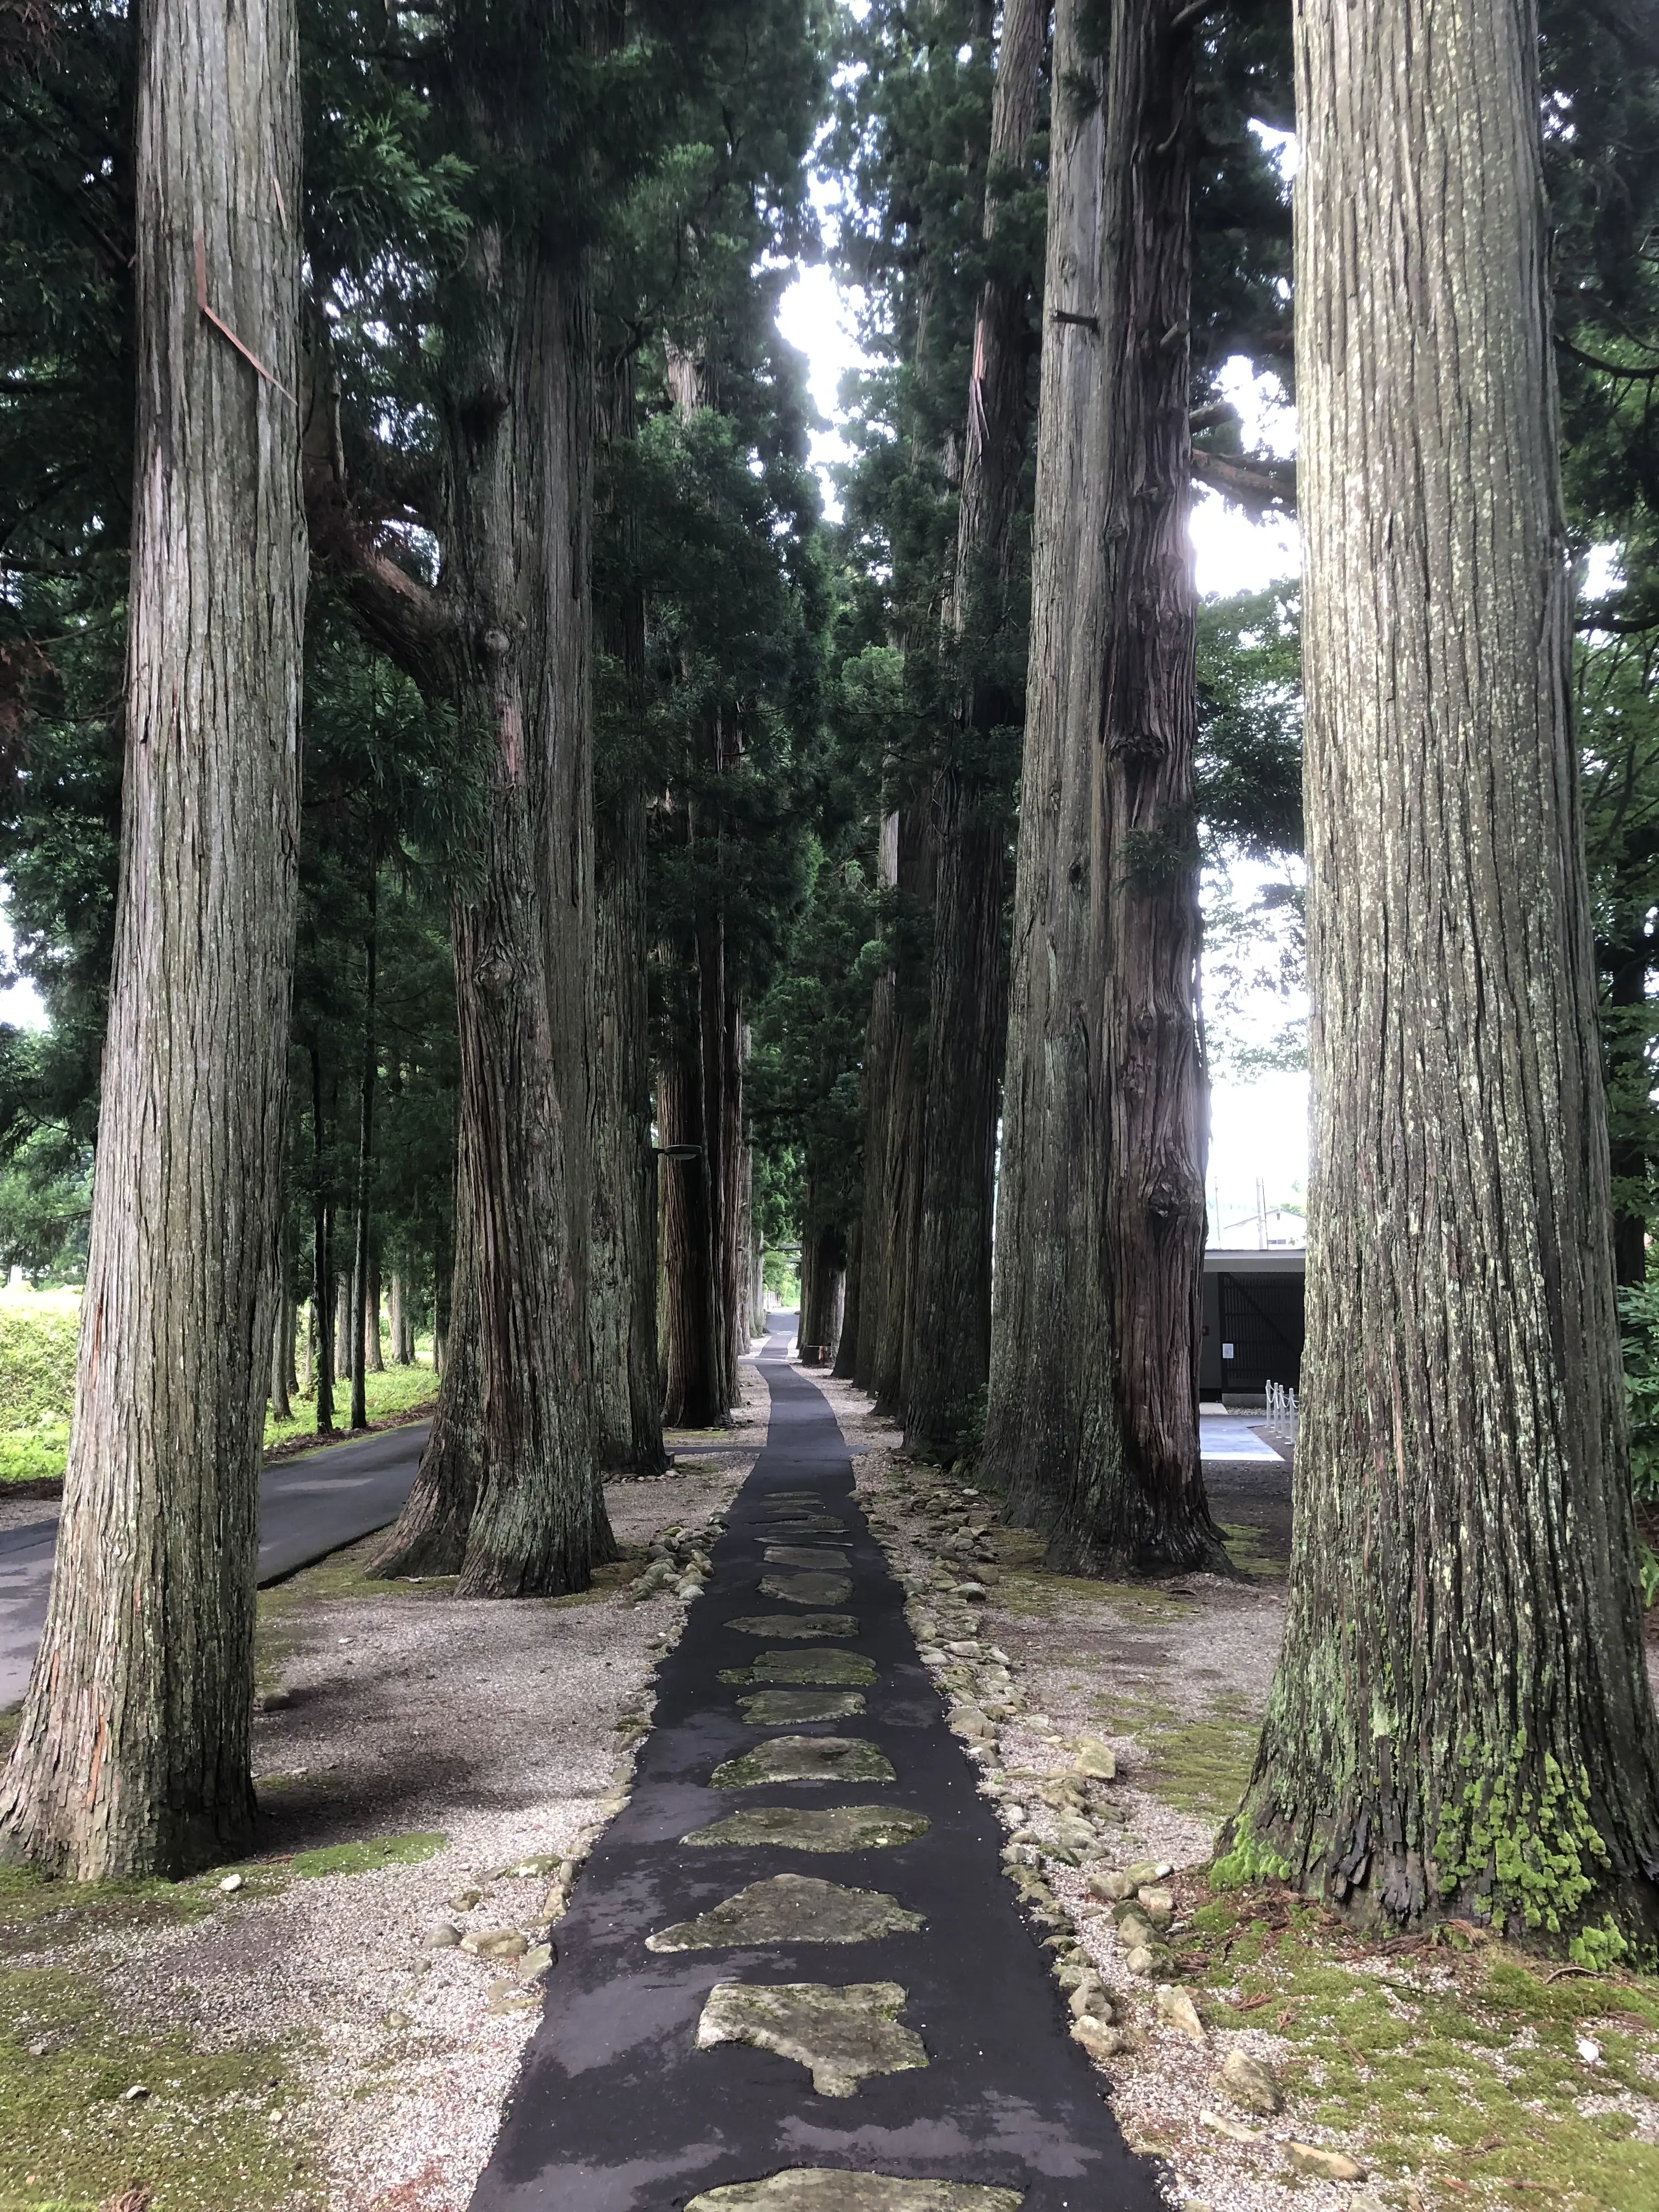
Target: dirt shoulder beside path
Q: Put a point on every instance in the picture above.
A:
(1439, 2074)
(317, 2039)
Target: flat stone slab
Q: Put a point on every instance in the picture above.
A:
(841, 2036)
(804, 1524)
(797, 1627)
(791, 1908)
(801, 1828)
(789, 1708)
(804, 1759)
(807, 1589)
(831, 1667)
(802, 1555)
(823, 2188)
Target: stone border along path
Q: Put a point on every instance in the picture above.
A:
(732, 2021)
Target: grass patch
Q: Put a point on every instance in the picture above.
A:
(1446, 2061)
(206, 2138)
(397, 1392)
(368, 1857)
(38, 1331)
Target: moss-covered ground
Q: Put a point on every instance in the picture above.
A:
(93, 2097)
(1466, 2072)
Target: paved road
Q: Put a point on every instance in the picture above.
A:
(308, 1507)
(617, 2109)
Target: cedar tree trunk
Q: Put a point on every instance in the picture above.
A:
(967, 1006)
(1051, 1402)
(1461, 1722)
(1145, 1509)
(132, 1757)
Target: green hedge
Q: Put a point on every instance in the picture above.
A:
(36, 1357)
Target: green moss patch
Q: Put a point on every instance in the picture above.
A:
(206, 2136)
(366, 1857)
(1201, 1766)
(1243, 1543)
(1449, 2059)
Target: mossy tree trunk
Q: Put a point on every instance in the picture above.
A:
(132, 1757)
(1461, 1722)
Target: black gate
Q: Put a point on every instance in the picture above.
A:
(1261, 1327)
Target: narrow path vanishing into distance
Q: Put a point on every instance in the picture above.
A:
(793, 1978)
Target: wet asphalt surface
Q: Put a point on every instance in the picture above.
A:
(616, 2110)
(309, 1506)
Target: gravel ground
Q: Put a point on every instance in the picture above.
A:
(502, 1728)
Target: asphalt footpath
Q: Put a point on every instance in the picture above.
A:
(309, 1506)
(812, 1995)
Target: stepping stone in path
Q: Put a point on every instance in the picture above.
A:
(791, 1908)
(796, 1828)
(779, 1708)
(823, 2188)
(798, 1555)
(804, 1759)
(807, 1589)
(803, 1525)
(840, 2035)
(798, 1627)
(849, 1667)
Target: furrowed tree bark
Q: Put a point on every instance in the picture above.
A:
(1051, 1399)
(132, 1757)
(1143, 1507)
(1461, 1722)
(524, 945)
(972, 807)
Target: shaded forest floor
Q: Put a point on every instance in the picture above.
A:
(337, 2031)
(1451, 2073)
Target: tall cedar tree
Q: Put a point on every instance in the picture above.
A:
(510, 1465)
(133, 1753)
(1102, 1195)
(950, 1340)
(1461, 1722)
